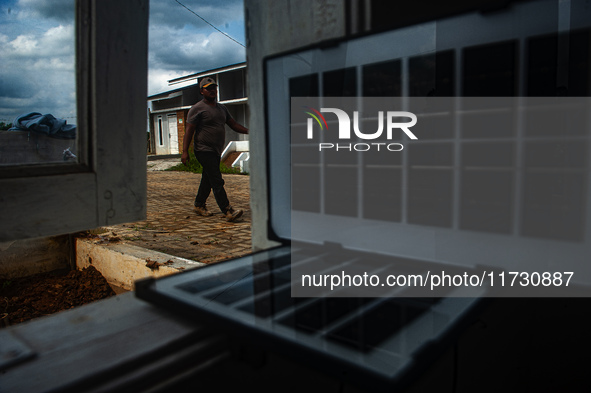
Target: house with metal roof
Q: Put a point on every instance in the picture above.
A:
(167, 112)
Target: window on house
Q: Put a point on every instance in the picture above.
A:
(232, 85)
(160, 139)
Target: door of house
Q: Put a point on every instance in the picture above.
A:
(173, 135)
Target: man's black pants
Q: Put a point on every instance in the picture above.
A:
(211, 179)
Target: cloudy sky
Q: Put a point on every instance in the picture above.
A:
(37, 49)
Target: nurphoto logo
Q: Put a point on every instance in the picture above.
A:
(390, 118)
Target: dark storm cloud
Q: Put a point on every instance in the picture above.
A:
(180, 43)
(13, 85)
(196, 52)
(60, 10)
(172, 14)
(37, 43)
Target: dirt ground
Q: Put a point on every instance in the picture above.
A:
(26, 298)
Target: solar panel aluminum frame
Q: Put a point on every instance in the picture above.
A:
(392, 363)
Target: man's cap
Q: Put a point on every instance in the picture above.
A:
(206, 82)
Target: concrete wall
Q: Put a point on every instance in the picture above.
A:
(24, 147)
(21, 258)
(271, 28)
(191, 96)
(173, 102)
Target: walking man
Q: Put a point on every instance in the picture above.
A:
(206, 120)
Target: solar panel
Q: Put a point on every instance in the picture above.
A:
(363, 339)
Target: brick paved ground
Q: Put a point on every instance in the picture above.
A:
(173, 228)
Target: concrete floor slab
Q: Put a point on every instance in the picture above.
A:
(122, 264)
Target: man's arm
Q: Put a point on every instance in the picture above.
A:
(189, 131)
(237, 127)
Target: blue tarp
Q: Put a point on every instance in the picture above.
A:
(44, 124)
